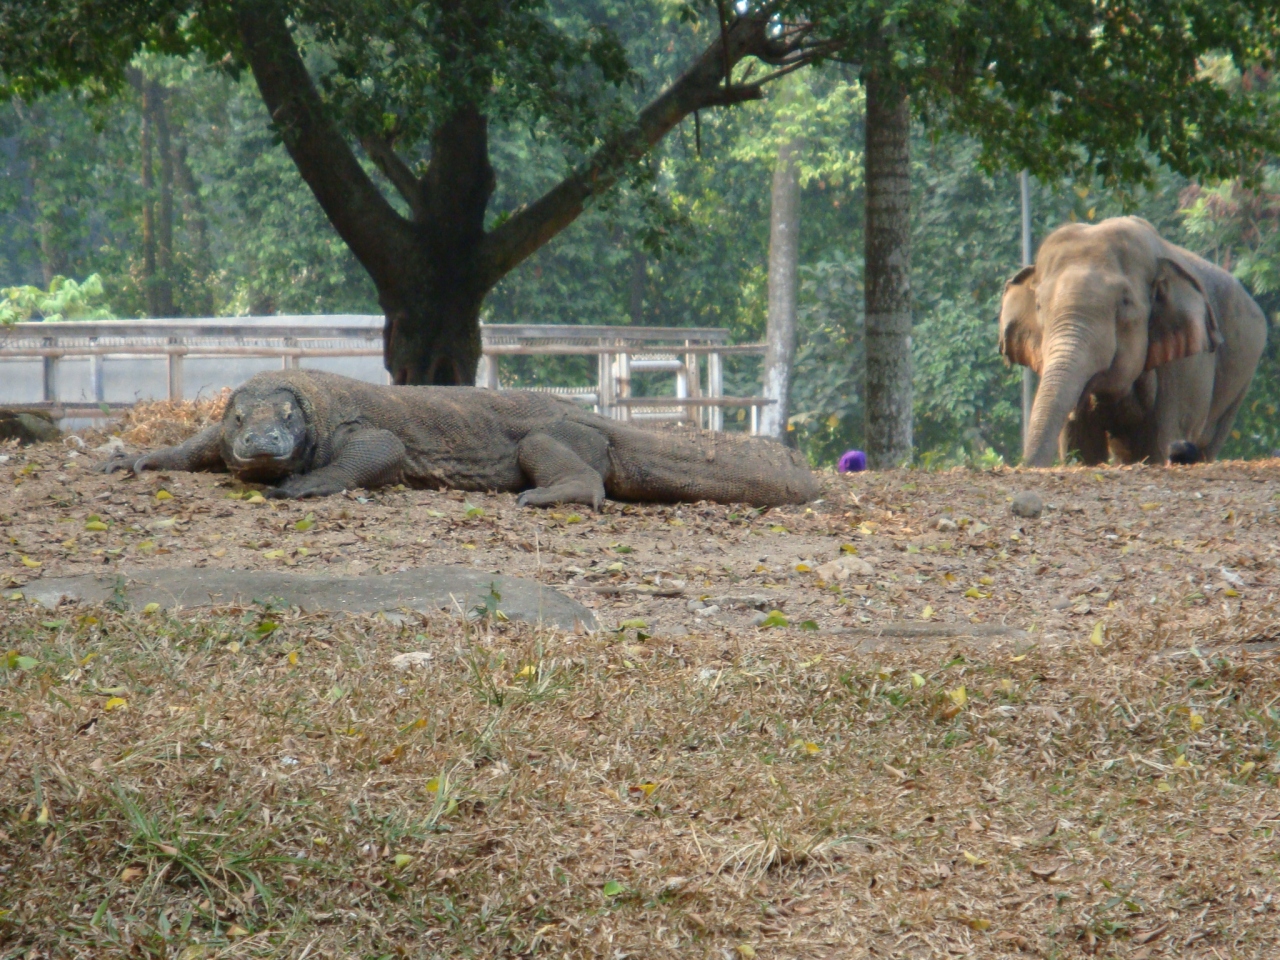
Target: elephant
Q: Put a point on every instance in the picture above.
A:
(1143, 348)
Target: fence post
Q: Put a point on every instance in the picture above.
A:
(95, 373)
(50, 372)
(174, 364)
(487, 372)
(715, 388)
(622, 374)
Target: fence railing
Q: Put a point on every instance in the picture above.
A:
(694, 356)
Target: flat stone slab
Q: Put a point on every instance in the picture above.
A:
(427, 589)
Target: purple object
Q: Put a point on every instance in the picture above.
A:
(853, 461)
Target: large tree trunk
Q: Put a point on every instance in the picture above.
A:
(164, 227)
(148, 200)
(888, 274)
(784, 258)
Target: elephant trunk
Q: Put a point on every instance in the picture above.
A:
(1066, 373)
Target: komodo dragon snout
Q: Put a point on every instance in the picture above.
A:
(312, 434)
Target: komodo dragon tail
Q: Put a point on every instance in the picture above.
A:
(673, 467)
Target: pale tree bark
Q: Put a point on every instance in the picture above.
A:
(164, 227)
(888, 272)
(784, 258)
(148, 200)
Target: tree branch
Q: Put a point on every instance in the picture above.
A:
(407, 184)
(378, 236)
(698, 88)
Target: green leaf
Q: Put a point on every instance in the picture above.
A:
(473, 512)
(809, 625)
(774, 619)
(306, 523)
(612, 888)
(26, 663)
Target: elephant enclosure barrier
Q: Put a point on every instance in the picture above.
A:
(87, 370)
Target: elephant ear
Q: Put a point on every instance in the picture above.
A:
(1182, 321)
(1019, 326)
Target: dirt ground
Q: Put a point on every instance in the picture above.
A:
(974, 735)
(1190, 544)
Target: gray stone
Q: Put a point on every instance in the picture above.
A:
(1028, 504)
(945, 525)
(27, 427)
(426, 589)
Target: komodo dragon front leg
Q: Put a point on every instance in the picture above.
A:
(202, 452)
(362, 457)
(566, 463)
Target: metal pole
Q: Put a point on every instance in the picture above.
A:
(1028, 378)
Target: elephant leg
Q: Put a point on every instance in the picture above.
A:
(1085, 435)
(1209, 450)
(1183, 407)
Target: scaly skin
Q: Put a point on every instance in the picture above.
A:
(329, 433)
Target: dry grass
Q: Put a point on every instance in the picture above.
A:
(274, 787)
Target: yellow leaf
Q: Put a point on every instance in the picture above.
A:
(530, 671)
(433, 785)
(777, 528)
(986, 581)
(973, 923)
(1197, 722)
(926, 613)
(235, 930)
(1246, 768)
(255, 497)
(973, 593)
(1150, 506)
(1180, 761)
(220, 552)
(28, 562)
(917, 680)
(273, 554)
(1098, 477)
(848, 548)
(974, 860)
(115, 703)
(812, 748)
(833, 421)
(1097, 637)
(293, 658)
(151, 608)
(95, 525)
(959, 696)
(949, 577)
(867, 529)
(746, 951)
(43, 818)
(1018, 659)
(645, 788)
(1229, 592)
(306, 523)
(403, 860)
(234, 646)
(803, 568)
(163, 495)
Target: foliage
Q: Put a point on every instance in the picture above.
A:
(64, 300)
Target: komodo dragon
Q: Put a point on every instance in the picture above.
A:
(313, 434)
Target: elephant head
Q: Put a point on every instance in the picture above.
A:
(1102, 305)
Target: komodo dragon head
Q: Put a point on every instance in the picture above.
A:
(265, 434)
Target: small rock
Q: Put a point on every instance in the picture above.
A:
(945, 525)
(841, 568)
(759, 618)
(1061, 603)
(710, 611)
(1028, 504)
(414, 658)
(694, 605)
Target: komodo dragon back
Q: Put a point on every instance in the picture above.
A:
(687, 465)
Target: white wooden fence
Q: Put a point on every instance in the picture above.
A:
(83, 370)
